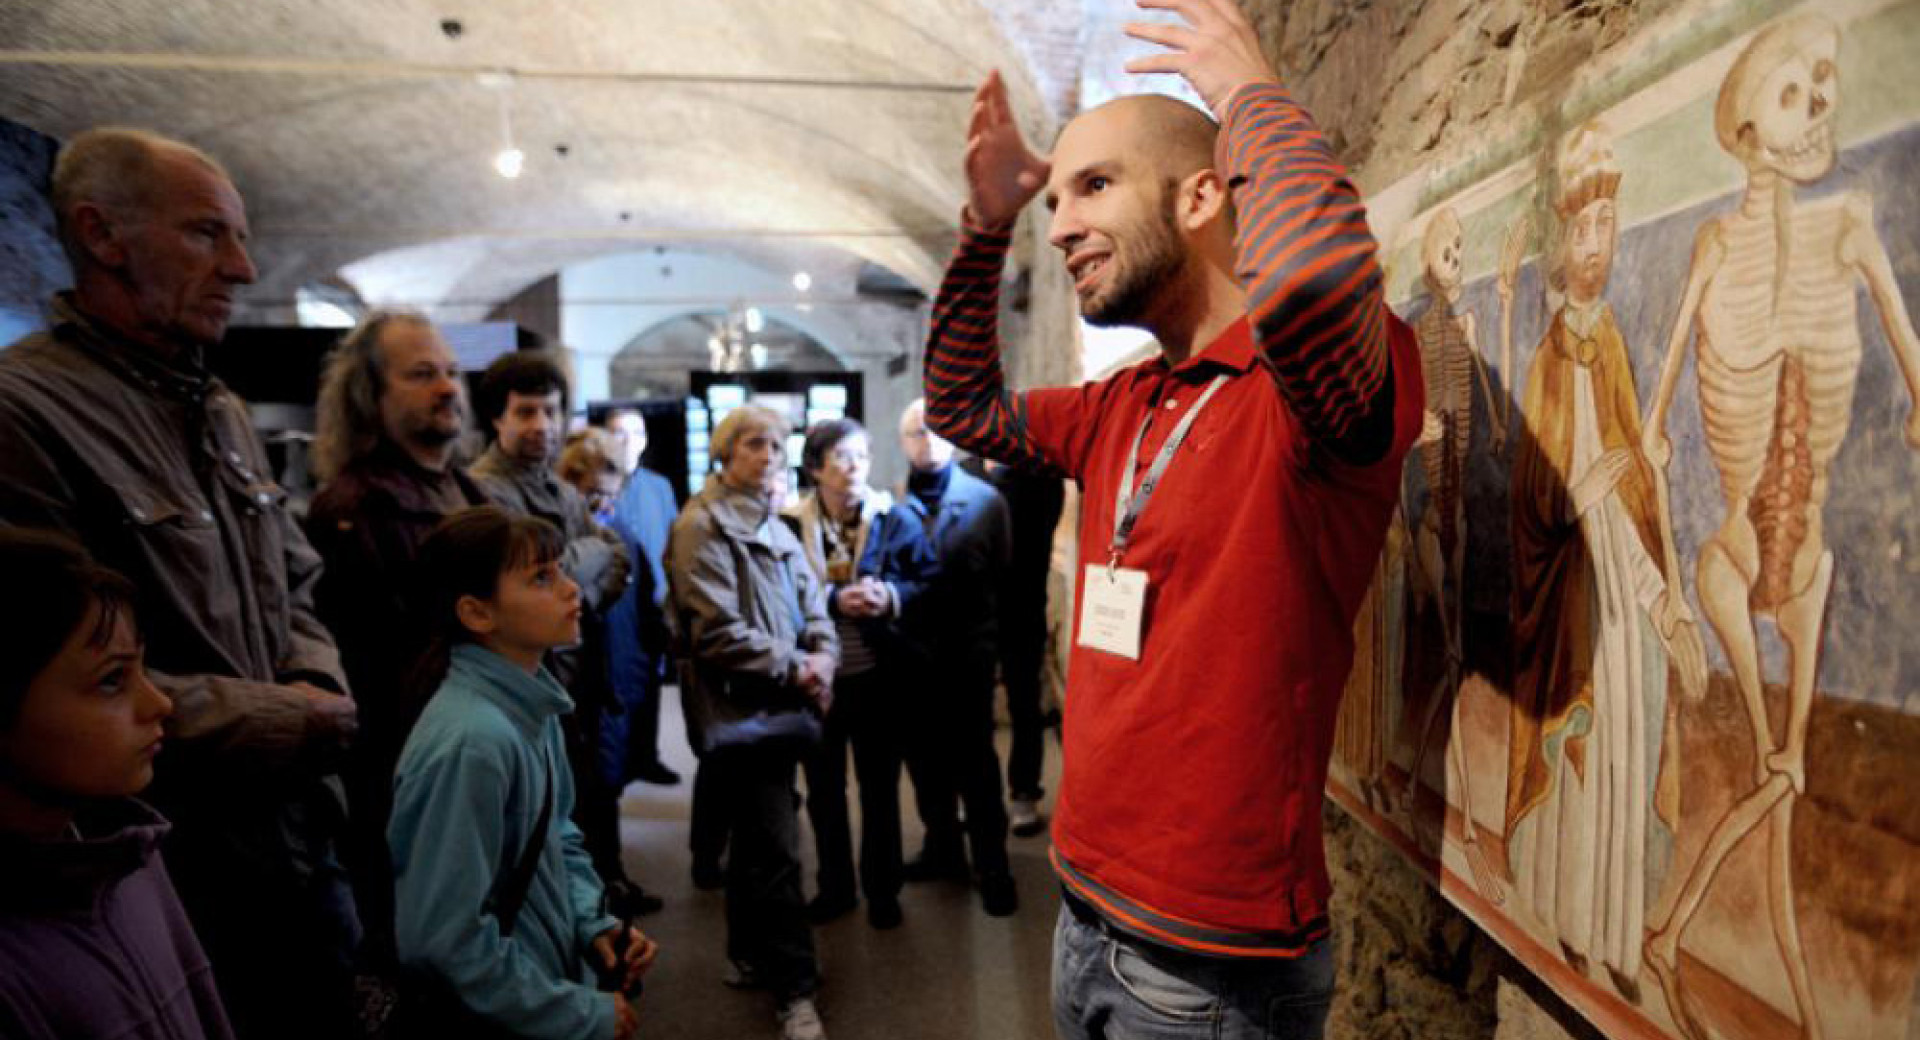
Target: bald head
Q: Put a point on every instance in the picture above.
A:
(1176, 138)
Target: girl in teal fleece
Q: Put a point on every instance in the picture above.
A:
(472, 781)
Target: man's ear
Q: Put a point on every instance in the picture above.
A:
(100, 235)
(1203, 199)
(475, 615)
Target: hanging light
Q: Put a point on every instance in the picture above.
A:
(509, 161)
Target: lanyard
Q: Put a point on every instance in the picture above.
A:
(1128, 507)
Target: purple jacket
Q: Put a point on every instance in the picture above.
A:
(93, 942)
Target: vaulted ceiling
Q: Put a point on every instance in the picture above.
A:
(362, 133)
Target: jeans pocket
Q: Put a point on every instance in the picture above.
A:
(1159, 989)
(1299, 1017)
(1299, 1011)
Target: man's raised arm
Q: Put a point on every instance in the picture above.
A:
(967, 398)
(1305, 255)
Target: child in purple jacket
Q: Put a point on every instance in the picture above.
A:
(93, 942)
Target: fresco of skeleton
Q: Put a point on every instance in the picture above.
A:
(1452, 369)
(1770, 309)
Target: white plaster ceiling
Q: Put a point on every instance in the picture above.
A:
(778, 130)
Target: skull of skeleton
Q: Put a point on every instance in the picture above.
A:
(1441, 252)
(1793, 118)
(1776, 107)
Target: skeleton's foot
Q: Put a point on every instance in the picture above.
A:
(1661, 951)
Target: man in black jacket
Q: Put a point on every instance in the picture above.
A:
(954, 630)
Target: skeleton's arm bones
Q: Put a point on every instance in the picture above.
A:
(1861, 248)
(1708, 253)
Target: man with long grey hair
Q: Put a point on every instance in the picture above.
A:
(391, 407)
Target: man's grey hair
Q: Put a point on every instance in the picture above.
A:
(348, 423)
(114, 169)
(744, 420)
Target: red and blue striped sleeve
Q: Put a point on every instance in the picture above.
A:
(968, 402)
(1316, 297)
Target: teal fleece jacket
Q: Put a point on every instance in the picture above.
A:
(467, 794)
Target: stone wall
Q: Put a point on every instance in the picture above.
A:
(1400, 83)
(31, 264)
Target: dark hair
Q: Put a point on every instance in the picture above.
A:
(532, 372)
(465, 555)
(56, 586)
(823, 437)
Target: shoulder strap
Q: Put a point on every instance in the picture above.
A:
(513, 895)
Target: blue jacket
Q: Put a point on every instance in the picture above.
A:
(466, 796)
(636, 626)
(893, 550)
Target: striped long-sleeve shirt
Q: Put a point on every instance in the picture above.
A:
(1190, 805)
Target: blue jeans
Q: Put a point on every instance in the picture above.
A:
(1110, 986)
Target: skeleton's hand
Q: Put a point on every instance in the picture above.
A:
(1656, 447)
(1684, 645)
(1514, 251)
(1432, 428)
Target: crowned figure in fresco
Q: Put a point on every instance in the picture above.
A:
(1770, 309)
(1595, 614)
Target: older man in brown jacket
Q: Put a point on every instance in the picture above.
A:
(113, 430)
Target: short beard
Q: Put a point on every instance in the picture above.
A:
(434, 437)
(1156, 266)
(429, 434)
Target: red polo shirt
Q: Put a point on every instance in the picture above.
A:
(1189, 811)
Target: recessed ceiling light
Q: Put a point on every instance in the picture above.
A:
(802, 281)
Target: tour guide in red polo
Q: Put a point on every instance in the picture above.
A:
(1251, 468)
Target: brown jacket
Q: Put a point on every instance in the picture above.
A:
(156, 469)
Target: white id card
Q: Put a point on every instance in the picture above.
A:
(1113, 608)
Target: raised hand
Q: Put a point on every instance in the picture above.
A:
(1217, 50)
(1003, 174)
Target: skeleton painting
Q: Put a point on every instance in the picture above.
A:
(1594, 615)
(1660, 638)
(1769, 307)
(1452, 370)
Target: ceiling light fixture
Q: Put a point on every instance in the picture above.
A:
(802, 281)
(509, 161)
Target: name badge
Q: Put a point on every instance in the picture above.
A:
(1113, 608)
